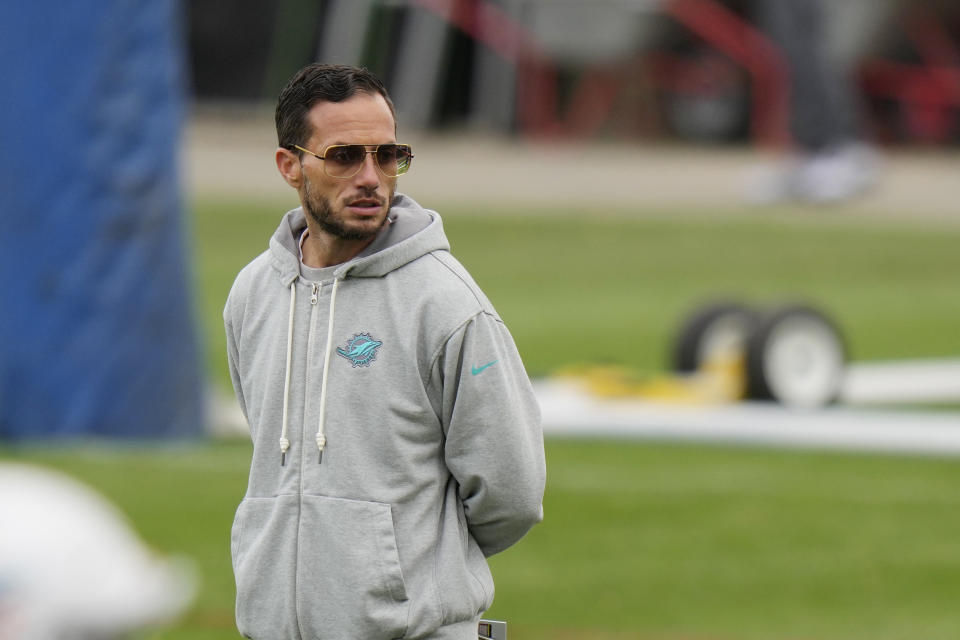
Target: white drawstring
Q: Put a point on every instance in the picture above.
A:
(321, 438)
(284, 443)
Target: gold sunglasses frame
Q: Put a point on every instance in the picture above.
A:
(374, 151)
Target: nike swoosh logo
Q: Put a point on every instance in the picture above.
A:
(478, 370)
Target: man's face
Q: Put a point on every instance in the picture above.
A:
(352, 208)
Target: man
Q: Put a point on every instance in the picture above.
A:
(396, 437)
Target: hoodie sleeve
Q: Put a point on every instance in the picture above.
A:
(494, 441)
(233, 353)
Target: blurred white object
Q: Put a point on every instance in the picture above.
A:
(71, 566)
(837, 174)
(832, 175)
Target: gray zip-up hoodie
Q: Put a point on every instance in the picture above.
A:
(397, 440)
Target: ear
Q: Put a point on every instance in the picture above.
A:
(288, 163)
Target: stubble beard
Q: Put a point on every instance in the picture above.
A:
(320, 210)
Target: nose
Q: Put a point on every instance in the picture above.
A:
(369, 175)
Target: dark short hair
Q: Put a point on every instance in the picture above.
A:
(315, 83)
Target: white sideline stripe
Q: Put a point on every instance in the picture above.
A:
(569, 411)
(902, 381)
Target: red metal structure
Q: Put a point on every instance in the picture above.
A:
(928, 91)
(592, 99)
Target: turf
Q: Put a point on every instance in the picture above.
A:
(687, 542)
(647, 541)
(584, 287)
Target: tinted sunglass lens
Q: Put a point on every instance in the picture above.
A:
(344, 160)
(393, 159)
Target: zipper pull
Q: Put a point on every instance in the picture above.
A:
(314, 296)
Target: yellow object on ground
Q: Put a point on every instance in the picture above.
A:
(717, 381)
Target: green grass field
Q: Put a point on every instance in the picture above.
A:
(644, 541)
(581, 287)
(641, 540)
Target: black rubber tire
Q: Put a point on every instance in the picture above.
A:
(699, 328)
(796, 356)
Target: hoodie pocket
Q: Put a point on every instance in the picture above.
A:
(263, 545)
(349, 576)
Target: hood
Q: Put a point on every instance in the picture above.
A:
(412, 232)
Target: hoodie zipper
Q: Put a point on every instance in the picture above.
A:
(320, 437)
(314, 300)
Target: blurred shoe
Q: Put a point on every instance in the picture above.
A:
(837, 174)
(833, 175)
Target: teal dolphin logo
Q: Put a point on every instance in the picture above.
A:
(361, 350)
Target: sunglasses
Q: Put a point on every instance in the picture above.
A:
(346, 160)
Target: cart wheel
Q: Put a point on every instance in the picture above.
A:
(716, 331)
(797, 357)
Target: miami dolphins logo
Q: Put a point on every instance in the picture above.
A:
(361, 350)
